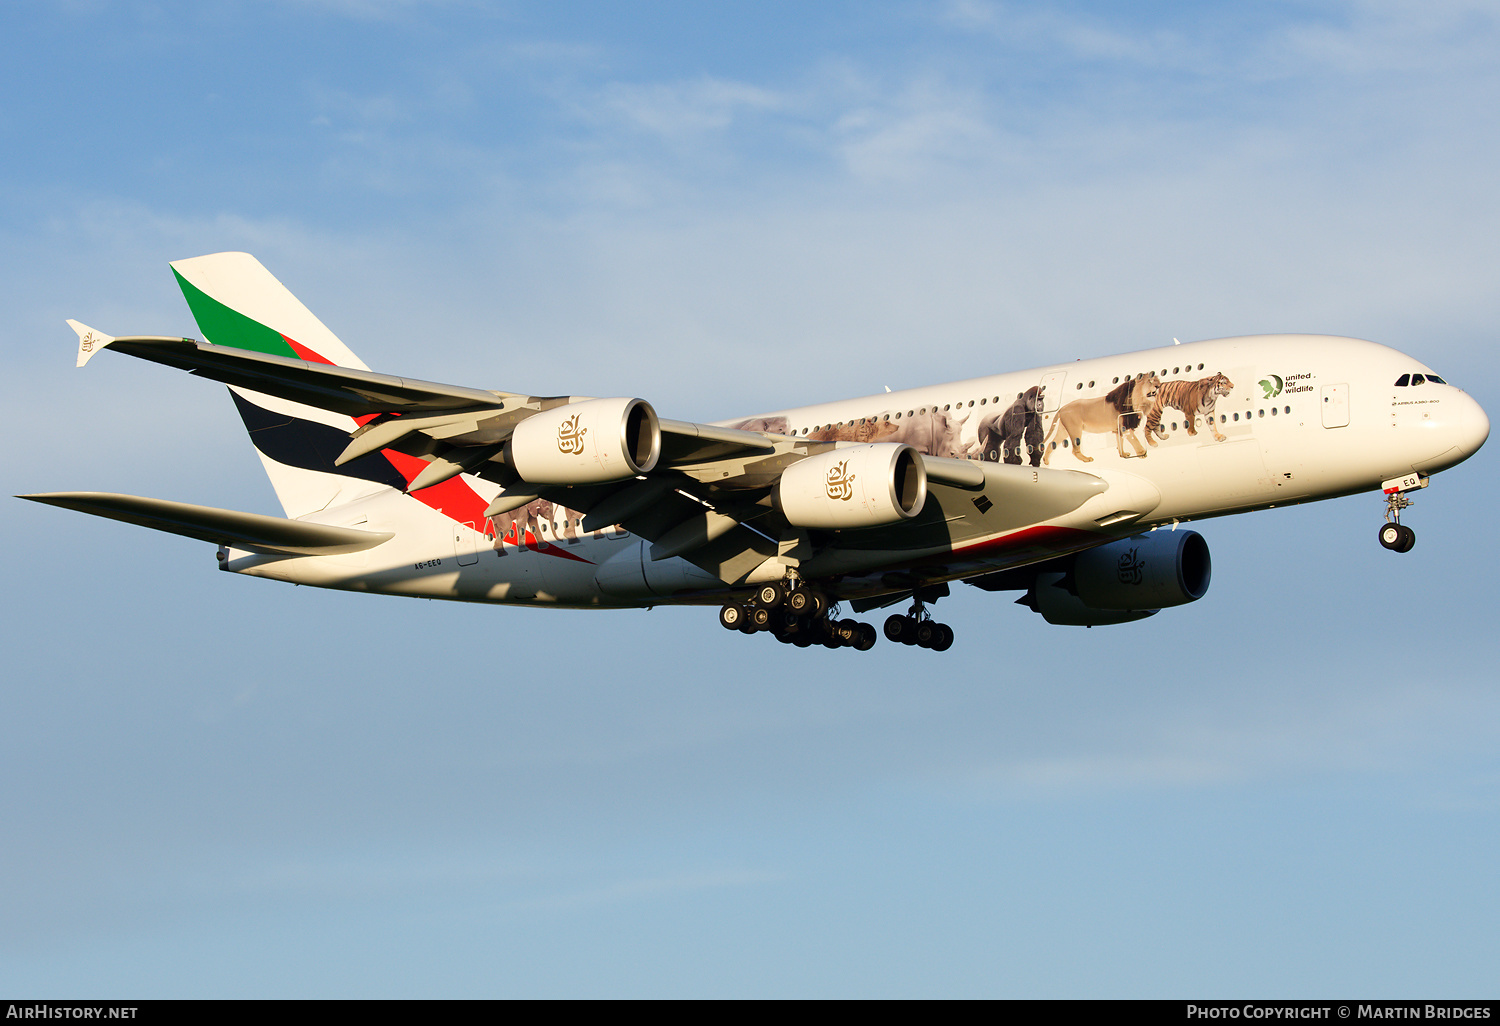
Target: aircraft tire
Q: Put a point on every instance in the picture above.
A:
(1390, 536)
(769, 596)
(1408, 539)
(731, 617)
(944, 639)
(895, 627)
(865, 639)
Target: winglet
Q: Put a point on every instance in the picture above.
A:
(90, 341)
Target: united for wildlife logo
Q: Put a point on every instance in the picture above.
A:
(1273, 385)
(570, 436)
(840, 482)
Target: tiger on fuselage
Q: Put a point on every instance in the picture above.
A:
(1193, 398)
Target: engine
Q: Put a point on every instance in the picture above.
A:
(852, 487)
(1125, 580)
(589, 442)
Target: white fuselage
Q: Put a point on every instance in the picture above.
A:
(1307, 417)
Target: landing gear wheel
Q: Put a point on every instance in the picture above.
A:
(865, 639)
(925, 633)
(847, 631)
(760, 617)
(895, 627)
(768, 595)
(1407, 540)
(944, 639)
(800, 600)
(1391, 535)
(732, 617)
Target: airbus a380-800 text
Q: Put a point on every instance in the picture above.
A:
(1065, 483)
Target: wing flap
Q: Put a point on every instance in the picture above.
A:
(250, 531)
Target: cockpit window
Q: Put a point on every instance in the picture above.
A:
(1436, 380)
(1417, 379)
(1403, 381)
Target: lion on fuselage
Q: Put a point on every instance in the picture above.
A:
(1120, 410)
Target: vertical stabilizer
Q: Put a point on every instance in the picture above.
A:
(237, 302)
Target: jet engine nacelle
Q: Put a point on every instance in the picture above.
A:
(1149, 571)
(589, 442)
(855, 486)
(1050, 597)
(1125, 580)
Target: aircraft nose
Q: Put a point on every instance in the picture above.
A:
(1470, 425)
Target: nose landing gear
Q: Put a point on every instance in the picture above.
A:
(1394, 535)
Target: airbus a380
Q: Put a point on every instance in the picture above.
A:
(1064, 483)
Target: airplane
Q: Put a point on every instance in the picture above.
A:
(1066, 483)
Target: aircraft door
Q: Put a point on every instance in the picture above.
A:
(1052, 390)
(466, 543)
(1335, 406)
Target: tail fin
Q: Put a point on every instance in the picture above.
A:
(237, 302)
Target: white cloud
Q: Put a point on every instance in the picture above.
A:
(680, 109)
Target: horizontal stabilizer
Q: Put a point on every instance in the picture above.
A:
(250, 531)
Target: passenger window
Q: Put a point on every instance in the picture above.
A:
(1403, 381)
(1236, 416)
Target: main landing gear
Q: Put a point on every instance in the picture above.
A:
(1395, 535)
(796, 615)
(918, 627)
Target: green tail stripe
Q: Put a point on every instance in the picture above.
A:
(225, 327)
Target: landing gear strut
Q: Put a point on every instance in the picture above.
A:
(1395, 535)
(918, 627)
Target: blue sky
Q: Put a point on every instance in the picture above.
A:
(221, 786)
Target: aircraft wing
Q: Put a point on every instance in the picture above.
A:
(355, 393)
(709, 494)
